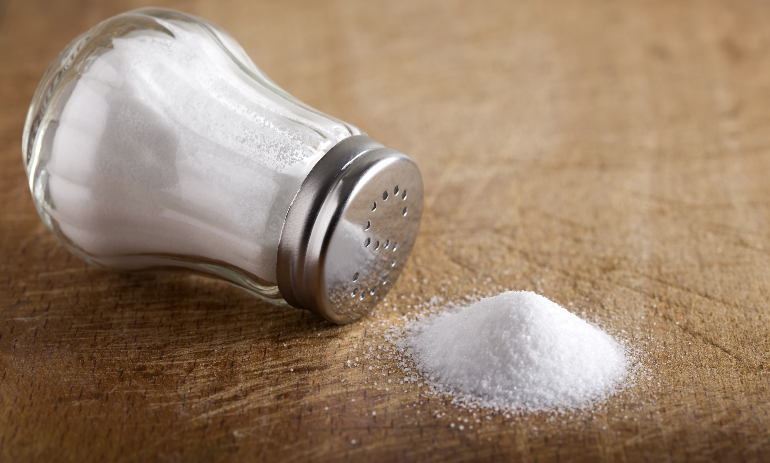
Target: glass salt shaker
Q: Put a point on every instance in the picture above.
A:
(154, 141)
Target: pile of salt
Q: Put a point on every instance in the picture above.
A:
(517, 350)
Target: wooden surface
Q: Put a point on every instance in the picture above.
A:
(615, 155)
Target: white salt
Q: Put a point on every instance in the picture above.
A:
(517, 350)
(167, 147)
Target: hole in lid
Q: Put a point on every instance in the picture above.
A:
(367, 225)
(395, 245)
(374, 205)
(385, 280)
(355, 277)
(403, 196)
(361, 297)
(366, 243)
(384, 195)
(393, 263)
(355, 291)
(371, 291)
(403, 212)
(387, 242)
(376, 245)
(395, 190)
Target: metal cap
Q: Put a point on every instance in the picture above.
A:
(350, 230)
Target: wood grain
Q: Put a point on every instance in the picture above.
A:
(615, 155)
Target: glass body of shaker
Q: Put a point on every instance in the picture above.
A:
(153, 140)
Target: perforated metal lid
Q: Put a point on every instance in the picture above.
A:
(350, 230)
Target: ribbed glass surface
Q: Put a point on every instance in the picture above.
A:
(153, 140)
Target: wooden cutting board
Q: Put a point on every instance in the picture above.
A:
(612, 156)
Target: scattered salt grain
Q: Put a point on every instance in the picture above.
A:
(517, 350)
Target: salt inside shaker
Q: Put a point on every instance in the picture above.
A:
(154, 141)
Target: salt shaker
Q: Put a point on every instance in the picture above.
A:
(154, 141)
